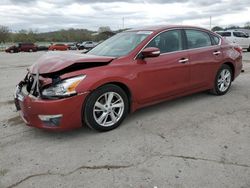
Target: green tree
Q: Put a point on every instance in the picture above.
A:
(4, 33)
(232, 27)
(25, 36)
(217, 28)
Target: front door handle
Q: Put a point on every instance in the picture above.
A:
(216, 52)
(183, 60)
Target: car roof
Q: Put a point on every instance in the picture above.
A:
(164, 27)
(26, 43)
(235, 30)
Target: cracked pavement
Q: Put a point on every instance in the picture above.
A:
(196, 141)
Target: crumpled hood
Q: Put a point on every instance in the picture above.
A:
(56, 61)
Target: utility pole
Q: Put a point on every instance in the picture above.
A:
(123, 20)
(210, 22)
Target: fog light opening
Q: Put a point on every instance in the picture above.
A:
(51, 120)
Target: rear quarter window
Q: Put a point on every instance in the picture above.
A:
(216, 40)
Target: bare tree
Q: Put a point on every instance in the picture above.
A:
(104, 29)
(4, 33)
(217, 28)
(247, 25)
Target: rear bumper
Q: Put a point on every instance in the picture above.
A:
(69, 108)
(238, 67)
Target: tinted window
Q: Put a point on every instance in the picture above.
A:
(169, 41)
(197, 39)
(239, 34)
(225, 34)
(216, 39)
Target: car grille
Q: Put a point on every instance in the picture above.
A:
(31, 84)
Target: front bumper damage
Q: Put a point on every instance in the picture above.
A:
(51, 114)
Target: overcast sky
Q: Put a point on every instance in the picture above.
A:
(50, 15)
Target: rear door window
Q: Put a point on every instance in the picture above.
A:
(225, 34)
(239, 34)
(197, 39)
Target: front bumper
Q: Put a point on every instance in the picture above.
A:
(32, 107)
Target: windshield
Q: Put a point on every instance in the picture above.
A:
(120, 44)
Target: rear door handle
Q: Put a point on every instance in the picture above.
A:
(183, 60)
(216, 52)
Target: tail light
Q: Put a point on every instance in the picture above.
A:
(238, 49)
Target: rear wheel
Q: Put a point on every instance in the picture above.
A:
(223, 80)
(106, 108)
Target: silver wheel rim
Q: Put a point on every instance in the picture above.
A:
(224, 80)
(108, 109)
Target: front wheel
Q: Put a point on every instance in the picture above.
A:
(223, 80)
(106, 108)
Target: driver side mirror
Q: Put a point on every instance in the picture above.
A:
(150, 52)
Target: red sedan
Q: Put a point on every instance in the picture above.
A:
(131, 70)
(60, 47)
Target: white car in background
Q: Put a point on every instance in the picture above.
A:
(87, 45)
(237, 37)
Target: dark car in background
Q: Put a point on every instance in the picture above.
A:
(22, 47)
(42, 48)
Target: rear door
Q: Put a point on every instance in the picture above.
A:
(241, 39)
(205, 57)
(166, 75)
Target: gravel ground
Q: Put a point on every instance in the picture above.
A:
(196, 141)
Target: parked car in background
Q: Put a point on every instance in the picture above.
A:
(12, 49)
(87, 45)
(238, 37)
(60, 47)
(72, 46)
(22, 47)
(130, 70)
(42, 48)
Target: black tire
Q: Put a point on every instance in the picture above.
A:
(90, 116)
(216, 90)
(248, 49)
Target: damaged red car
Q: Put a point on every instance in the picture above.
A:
(130, 70)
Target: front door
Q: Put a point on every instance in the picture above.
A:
(166, 75)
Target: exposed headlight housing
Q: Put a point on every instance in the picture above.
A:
(64, 88)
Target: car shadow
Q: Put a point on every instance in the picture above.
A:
(166, 105)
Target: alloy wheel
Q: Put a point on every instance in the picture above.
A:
(108, 109)
(224, 80)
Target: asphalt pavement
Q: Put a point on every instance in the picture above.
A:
(196, 141)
